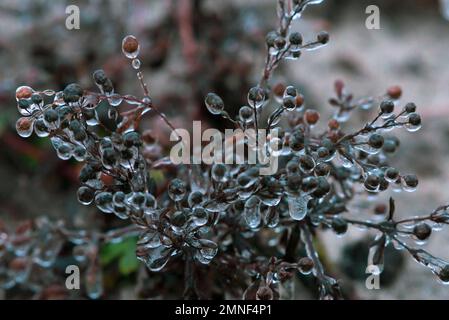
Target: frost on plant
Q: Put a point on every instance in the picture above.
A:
(213, 216)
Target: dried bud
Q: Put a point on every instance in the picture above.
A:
(305, 265)
(414, 119)
(311, 116)
(339, 225)
(380, 209)
(376, 141)
(295, 38)
(410, 107)
(333, 124)
(422, 231)
(394, 92)
(323, 37)
(387, 106)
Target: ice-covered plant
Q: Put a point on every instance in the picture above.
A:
(249, 233)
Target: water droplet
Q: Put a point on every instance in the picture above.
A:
(342, 115)
(219, 172)
(366, 104)
(64, 151)
(80, 252)
(246, 114)
(103, 200)
(24, 92)
(251, 212)
(256, 97)
(297, 206)
(206, 251)
(79, 153)
(41, 129)
(412, 128)
(115, 100)
(136, 64)
(150, 239)
(200, 216)
(24, 127)
(214, 103)
(270, 216)
(130, 47)
(46, 253)
(155, 258)
(177, 190)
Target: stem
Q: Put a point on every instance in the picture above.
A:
(328, 285)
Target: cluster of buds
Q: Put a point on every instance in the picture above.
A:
(212, 214)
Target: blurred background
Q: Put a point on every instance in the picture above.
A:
(192, 47)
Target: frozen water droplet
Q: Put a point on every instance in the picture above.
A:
(200, 216)
(150, 239)
(214, 103)
(80, 252)
(412, 128)
(79, 153)
(156, 258)
(103, 200)
(366, 104)
(24, 126)
(130, 47)
(270, 216)
(41, 129)
(136, 64)
(24, 92)
(342, 115)
(64, 151)
(115, 99)
(206, 251)
(256, 97)
(251, 212)
(246, 114)
(139, 75)
(46, 253)
(297, 206)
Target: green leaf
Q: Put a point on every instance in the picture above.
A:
(124, 252)
(128, 263)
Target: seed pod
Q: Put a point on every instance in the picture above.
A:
(394, 92)
(387, 107)
(177, 189)
(414, 119)
(410, 107)
(214, 103)
(339, 225)
(411, 180)
(311, 117)
(295, 38)
(376, 141)
(323, 37)
(305, 265)
(422, 231)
